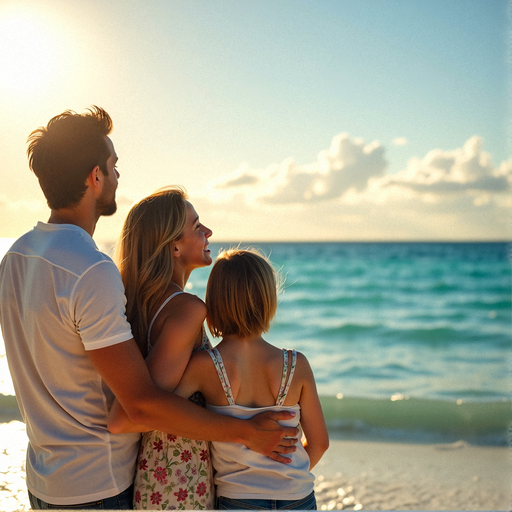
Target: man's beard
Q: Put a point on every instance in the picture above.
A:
(106, 204)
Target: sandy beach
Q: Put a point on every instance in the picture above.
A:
(368, 475)
(353, 475)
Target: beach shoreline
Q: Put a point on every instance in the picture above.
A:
(354, 474)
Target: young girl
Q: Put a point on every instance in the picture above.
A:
(162, 242)
(245, 375)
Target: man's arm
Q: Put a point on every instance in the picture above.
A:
(123, 369)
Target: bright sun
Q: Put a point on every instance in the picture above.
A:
(28, 55)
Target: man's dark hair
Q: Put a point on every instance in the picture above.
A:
(64, 153)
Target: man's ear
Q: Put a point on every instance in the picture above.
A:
(93, 178)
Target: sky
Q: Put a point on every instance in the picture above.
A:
(317, 120)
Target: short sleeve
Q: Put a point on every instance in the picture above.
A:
(99, 306)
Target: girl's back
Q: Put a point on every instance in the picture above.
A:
(255, 370)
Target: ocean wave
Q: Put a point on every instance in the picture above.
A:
(381, 372)
(350, 329)
(303, 300)
(477, 422)
(414, 331)
(439, 336)
(496, 305)
(458, 303)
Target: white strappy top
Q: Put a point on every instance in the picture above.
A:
(205, 342)
(164, 303)
(244, 474)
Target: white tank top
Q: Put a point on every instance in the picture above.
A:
(244, 474)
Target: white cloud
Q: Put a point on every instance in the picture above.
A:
(464, 170)
(399, 141)
(353, 170)
(348, 164)
(346, 194)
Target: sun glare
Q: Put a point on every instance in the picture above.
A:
(28, 55)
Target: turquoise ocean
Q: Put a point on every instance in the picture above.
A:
(407, 341)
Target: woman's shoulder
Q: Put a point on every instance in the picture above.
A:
(192, 300)
(184, 303)
(183, 313)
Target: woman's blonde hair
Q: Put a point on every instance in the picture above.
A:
(144, 254)
(241, 294)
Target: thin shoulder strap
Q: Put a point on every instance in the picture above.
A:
(285, 383)
(221, 372)
(166, 301)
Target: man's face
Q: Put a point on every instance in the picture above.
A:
(106, 204)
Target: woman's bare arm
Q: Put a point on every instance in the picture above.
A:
(197, 373)
(170, 355)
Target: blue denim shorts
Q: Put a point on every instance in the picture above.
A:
(307, 503)
(123, 501)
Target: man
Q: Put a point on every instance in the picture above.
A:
(69, 346)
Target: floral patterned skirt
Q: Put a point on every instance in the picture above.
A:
(173, 473)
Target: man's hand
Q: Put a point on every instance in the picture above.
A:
(271, 439)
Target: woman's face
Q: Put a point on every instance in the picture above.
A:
(193, 244)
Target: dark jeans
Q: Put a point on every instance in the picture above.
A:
(123, 501)
(307, 503)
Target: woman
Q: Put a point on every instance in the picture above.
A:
(162, 242)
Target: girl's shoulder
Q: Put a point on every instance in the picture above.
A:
(203, 355)
(302, 367)
(276, 357)
(300, 357)
(201, 362)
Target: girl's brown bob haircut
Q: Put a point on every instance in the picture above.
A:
(241, 294)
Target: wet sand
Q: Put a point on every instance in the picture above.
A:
(353, 475)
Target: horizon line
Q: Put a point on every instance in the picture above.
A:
(434, 241)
